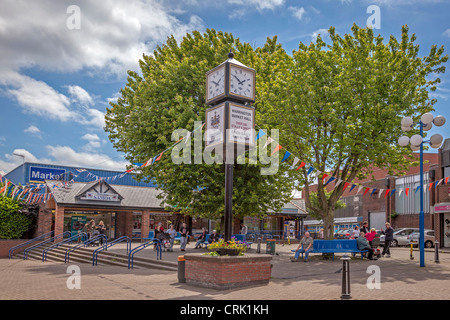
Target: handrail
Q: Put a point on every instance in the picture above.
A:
(85, 243)
(106, 246)
(61, 235)
(56, 245)
(142, 246)
(11, 250)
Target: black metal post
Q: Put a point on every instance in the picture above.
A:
(228, 221)
(436, 251)
(345, 277)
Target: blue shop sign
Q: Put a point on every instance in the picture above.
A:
(39, 175)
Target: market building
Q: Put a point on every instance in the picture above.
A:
(74, 196)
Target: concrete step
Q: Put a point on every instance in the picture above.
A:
(84, 255)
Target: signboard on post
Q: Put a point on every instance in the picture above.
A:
(241, 127)
(230, 122)
(215, 125)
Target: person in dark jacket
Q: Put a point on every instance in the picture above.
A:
(363, 244)
(388, 237)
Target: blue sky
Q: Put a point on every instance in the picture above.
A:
(60, 67)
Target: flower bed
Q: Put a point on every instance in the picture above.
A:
(227, 272)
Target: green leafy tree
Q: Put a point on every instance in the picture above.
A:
(13, 221)
(169, 94)
(339, 105)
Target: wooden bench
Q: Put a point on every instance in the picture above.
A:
(335, 246)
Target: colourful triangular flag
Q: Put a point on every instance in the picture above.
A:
(300, 166)
(278, 147)
(260, 134)
(286, 155)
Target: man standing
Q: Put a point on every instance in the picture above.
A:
(365, 227)
(184, 233)
(388, 237)
(306, 245)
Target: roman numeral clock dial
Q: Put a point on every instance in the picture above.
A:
(215, 83)
(241, 82)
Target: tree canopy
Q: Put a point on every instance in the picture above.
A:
(169, 94)
(339, 105)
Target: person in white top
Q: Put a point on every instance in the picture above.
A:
(356, 232)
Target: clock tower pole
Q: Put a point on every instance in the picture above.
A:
(230, 91)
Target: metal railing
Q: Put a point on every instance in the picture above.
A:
(56, 245)
(106, 246)
(11, 250)
(157, 242)
(59, 236)
(85, 244)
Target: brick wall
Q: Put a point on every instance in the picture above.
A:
(227, 271)
(5, 245)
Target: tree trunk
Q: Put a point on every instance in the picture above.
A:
(328, 222)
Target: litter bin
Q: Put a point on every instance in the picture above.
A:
(270, 246)
(181, 269)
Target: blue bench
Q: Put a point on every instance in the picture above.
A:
(336, 246)
(205, 241)
(241, 237)
(151, 236)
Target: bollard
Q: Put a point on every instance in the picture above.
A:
(436, 251)
(411, 252)
(181, 269)
(258, 248)
(345, 277)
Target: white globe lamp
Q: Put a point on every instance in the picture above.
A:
(427, 118)
(403, 141)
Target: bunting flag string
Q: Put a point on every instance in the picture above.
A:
(326, 177)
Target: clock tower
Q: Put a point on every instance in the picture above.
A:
(230, 120)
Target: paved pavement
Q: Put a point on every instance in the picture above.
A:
(317, 279)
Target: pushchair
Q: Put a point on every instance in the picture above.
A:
(165, 240)
(96, 242)
(374, 245)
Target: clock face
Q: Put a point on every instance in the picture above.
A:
(215, 83)
(242, 82)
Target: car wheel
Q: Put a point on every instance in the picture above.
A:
(394, 243)
(428, 244)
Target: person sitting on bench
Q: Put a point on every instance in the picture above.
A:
(213, 237)
(201, 239)
(363, 244)
(305, 246)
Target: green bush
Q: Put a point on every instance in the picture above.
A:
(13, 221)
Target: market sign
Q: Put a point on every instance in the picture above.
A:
(101, 196)
(39, 175)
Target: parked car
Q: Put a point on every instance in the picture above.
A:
(429, 238)
(343, 234)
(400, 237)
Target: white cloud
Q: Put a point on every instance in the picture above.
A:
(112, 37)
(33, 130)
(80, 95)
(298, 13)
(447, 33)
(37, 97)
(323, 33)
(259, 4)
(63, 155)
(94, 142)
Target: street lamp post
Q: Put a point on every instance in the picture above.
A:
(426, 123)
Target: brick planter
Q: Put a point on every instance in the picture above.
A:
(227, 272)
